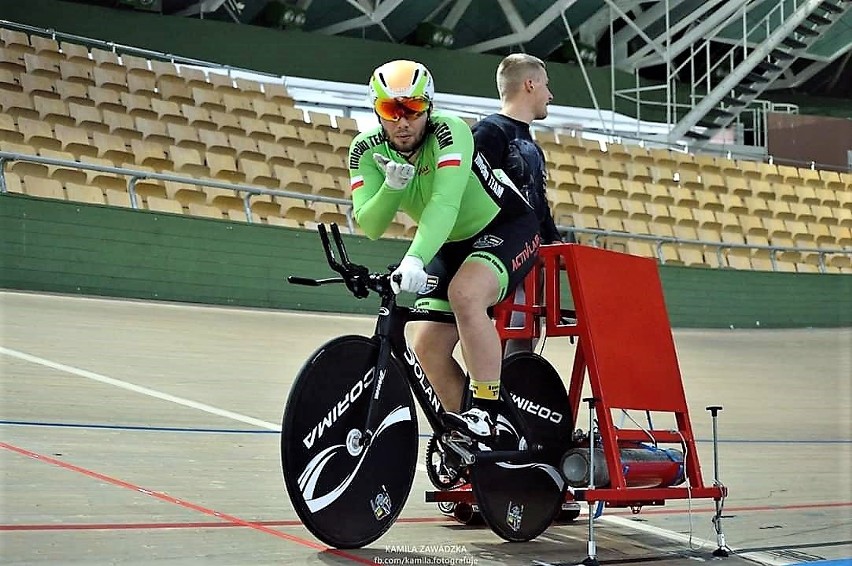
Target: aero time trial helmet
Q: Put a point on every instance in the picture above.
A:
(401, 89)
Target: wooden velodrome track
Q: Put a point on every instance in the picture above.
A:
(145, 433)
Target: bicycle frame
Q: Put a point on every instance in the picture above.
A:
(390, 334)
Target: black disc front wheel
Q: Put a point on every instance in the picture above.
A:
(346, 492)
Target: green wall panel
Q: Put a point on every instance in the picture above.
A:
(64, 247)
(712, 298)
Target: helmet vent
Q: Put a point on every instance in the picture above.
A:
(414, 78)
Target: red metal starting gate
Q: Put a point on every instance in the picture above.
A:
(625, 346)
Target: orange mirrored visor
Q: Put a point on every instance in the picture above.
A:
(396, 108)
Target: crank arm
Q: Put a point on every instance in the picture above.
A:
(455, 443)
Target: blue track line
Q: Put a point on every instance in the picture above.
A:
(261, 431)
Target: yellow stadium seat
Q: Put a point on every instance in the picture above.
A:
(75, 141)
(75, 52)
(76, 72)
(563, 161)
(43, 188)
(42, 66)
(340, 142)
(120, 124)
(316, 140)
(733, 203)
(780, 209)
(285, 134)
(115, 197)
(87, 117)
(802, 212)
(224, 167)
(296, 209)
(291, 179)
(304, 159)
(248, 87)
(205, 211)
(215, 142)
(243, 147)
(110, 79)
(238, 105)
(277, 92)
(106, 59)
(13, 182)
(683, 197)
(332, 163)
(38, 134)
(84, 193)
(273, 153)
(184, 136)
(8, 130)
(45, 46)
(188, 161)
(12, 60)
(763, 189)
(185, 193)
(323, 184)
(321, 121)
(347, 126)
(757, 207)
(739, 258)
(263, 207)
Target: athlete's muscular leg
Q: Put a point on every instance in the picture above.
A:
(472, 290)
(434, 343)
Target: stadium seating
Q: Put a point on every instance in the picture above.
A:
(66, 101)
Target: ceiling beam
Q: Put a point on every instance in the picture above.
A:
(203, 7)
(528, 33)
(512, 16)
(362, 6)
(642, 20)
(593, 28)
(635, 26)
(381, 12)
(455, 14)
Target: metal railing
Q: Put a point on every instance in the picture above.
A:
(135, 175)
(248, 191)
(720, 247)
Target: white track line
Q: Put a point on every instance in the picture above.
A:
(149, 392)
(139, 389)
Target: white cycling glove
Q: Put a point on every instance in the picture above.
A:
(397, 175)
(409, 276)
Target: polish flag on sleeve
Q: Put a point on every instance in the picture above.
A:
(356, 182)
(449, 160)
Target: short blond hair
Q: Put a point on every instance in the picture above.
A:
(514, 70)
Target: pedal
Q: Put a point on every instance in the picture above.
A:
(460, 443)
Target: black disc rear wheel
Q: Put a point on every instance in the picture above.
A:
(345, 493)
(520, 501)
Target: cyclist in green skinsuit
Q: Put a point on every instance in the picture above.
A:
(476, 232)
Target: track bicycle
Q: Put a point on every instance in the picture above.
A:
(349, 441)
